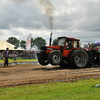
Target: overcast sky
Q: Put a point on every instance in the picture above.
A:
(73, 18)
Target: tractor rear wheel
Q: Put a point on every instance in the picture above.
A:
(55, 57)
(79, 59)
(42, 61)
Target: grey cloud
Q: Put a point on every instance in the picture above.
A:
(20, 17)
(71, 18)
(44, 5)
(90, 17)
(16, 32)
(1, 33)
(83, 15)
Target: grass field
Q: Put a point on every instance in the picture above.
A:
(80, 90)
(19, 60)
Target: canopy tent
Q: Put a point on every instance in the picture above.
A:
(97, 42)
(4, 45)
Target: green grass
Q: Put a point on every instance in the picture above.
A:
(80, 90)
(19, 60)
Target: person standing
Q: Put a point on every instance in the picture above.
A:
(98, 48)
(6, 56)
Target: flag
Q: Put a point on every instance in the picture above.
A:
(28, 42)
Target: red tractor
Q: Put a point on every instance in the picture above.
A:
(66, 52)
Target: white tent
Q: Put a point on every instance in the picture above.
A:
(4, 45)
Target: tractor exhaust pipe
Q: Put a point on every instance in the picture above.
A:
(50, 39)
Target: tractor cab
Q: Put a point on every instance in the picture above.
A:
(68, 44)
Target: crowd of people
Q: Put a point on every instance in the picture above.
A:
(97, 48)
(17, 54)
(26, 54)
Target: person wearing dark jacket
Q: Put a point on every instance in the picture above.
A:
(6, 56)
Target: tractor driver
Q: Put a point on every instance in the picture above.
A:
(68, 45)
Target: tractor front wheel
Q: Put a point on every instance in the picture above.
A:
(55, 57)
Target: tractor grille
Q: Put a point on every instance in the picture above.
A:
(43, 49)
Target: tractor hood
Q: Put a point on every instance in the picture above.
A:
(53, 47)
(50, 48)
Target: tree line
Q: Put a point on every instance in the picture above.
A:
(38, 42)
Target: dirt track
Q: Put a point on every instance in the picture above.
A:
(34, 74)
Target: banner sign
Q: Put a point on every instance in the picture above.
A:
(28, 42)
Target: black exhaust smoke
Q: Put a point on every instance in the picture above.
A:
(50, 39)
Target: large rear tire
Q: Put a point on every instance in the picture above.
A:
(55, 57)
(79, 59)
(42, 61)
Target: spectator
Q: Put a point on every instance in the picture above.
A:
(6, 56)
(93, 55)
(98, 48)
(1, 56)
